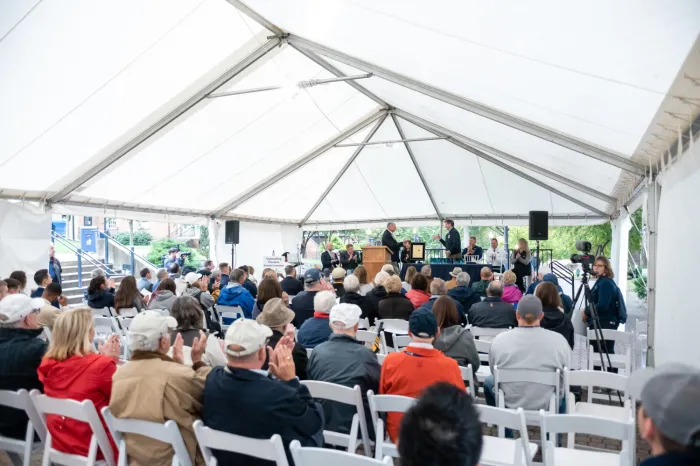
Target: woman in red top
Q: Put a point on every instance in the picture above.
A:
(419, 294)
(71, 369)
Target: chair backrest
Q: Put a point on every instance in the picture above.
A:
(483, 346)
(128, 312)
(365, 336)
(551, 378)
(641, 327)
(104, 312)
(468, 376)
(364, 323)
(124, 323)
(230, 312)
(309, 351)
(167, 433)
(304, 456)
(22, 401)
(266, 449)
(487, 332)
(105, 325)
(614, 335)
(394, 325)
(401, 341)
(380, 358)
(81, 411)
(592, 379)
(163, 312)
(590, 425)
(508, 419)
(387, 404)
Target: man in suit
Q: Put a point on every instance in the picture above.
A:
(349, 259)
(390, 242)
(329, 259)
(452, 241)
(291, 284)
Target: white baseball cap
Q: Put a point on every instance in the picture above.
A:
(151, 324)
(248, 334)
(348, 314)
(192, 277)
(16, 307)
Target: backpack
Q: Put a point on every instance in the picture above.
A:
(212, 326)
(621, 308)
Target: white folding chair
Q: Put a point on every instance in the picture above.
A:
(380, 358)
(349, 396)
(20, 400)
(554, 424)
(271, 449)
(401, 341)
(104, 312)
(483, 347)
(546, 378)
(128, 312)
(229, 312)
(399, 326)
(81, 411)
(386, 404)
(500, 450)
(306, 456)
(486, 334)
(47, 335)
(364, 324)
(365, 336)
(163, 312)
(309, 351)
(168, 433)
(618, 361)
(468, 376)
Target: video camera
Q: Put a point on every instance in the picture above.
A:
(586, 259)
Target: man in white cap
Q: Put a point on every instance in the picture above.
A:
(345, 361)
(243, 399)
(20, 355)
(154, 387)
(198, 288)
(669, 415)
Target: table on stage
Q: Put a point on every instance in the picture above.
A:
(443, 270)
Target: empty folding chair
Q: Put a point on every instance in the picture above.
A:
(167, 433)
(399, 326)
(500, 450)
(271, 449)
(81, 411)
(401, 341)
(553, 424)
(20, 400)
(349, 396)
(364, 324)
(619, 361)
(468, 377)
(545, 378)
(305, 456)
(379, 404)
(229, 314)
(483, 347)
(365, 336)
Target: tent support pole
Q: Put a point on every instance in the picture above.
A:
(652, 215)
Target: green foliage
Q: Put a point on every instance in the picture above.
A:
(640, 287)
(160, 248)
(204, 241)
(562, 240)
(141, 238)
(635, 241)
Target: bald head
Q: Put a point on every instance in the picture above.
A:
(495, 289)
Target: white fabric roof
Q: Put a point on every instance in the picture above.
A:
(540, 107)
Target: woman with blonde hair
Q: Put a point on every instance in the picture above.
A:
(72, 369)
(410, 273)
(511, 293)
(521, 263)
(361, 273)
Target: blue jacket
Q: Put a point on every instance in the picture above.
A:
(313, 332)
(303, 307)
(248, 403)
(237, 296)
(169, 260)
(604, 294)
(101, 299)
(478, 251)
(465, 296)
(460, 310)
(252, 289)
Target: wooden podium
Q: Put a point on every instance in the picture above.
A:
(374, 258)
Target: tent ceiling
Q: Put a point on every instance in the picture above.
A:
(123, 120)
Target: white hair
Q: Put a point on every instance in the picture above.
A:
(351, 284)
(97, 273)
(139, 343)
(380, 277)
(463, 279)
(438, 287)
(324, 302)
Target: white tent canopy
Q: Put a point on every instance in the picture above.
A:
(112, 106)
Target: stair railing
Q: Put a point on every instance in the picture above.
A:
(563, 272)
(81, 256)
(129, 250)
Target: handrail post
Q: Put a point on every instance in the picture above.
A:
(106, 238)
(133, 262)
(80, 268)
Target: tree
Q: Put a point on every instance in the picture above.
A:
(204, 241)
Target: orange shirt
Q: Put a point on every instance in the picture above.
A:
(409, 372)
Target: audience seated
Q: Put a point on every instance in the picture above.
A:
(303, 303)
(511, 292)
(236, 295)
(48, 313)
(463, 294)
(128, 296)
(198, 288)
(419, 293)
(410, 273)
(3, 289)
(278, 317)
(72, 370)
(316, 330)
(161, 274)
(225, 270)
(21, 351)
(388, 268)
(437, 289)
(99, 295)
(441, 429)
(361, 273)
(290, 283)
(14, 286)
(554, 318)
(377, 293)
(409, 372)
(427, 271)
(453, 282)
(454, 340)
(567, 303)
(352, 296)
(345, 361)
(492, 312)
(242, 399)
(394, 305)
(528, 347)
(338, 276)
(188, 314)
(144, 282)
(164, 296)
(269, 288)
(155, 387)
(42, 278)
(21, 276)
(486, 277)
(248, 283)
(176, 275)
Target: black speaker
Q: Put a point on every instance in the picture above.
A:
(233, 228)
(539, 225)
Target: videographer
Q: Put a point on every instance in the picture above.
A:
(605, 297)
(173, 256)
(521, 263)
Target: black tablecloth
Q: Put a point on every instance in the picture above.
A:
(443, 270)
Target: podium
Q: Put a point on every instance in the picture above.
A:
(374, 258)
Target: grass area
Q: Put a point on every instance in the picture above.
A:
(62, 249)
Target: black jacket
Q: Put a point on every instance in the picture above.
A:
(492, 313)
(20, 355)
(329, 261)
(452, 241)
(395, 306)
(556, 321)
(478, 251)
(460, 309)
(250, 286)
(369, 311)
(303, 307)
(291, 285)
(301, 359)
(375, 295)
(393, 245)
(339, 289)
(465, 296)
(345, 261)
(247, 403)
(101, 299)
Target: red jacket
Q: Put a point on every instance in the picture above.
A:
(77, 378)
(418, 298)
(409, 372)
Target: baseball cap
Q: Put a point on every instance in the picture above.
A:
(338, 273)
(423, 323)
(16, 307)
(348, 314)
(530, 305)
(248, 334)
(670, 396)
(192, 277)
(151, 324)
(312, 275)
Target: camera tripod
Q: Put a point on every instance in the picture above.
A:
(600, 341)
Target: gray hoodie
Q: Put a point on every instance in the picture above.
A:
(164, 299)
(205, 299)
(458, 343)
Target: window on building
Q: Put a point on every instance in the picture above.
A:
(111, 223)
(142, 225)
(87, 221)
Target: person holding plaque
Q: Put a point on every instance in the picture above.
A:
(452, 241)
(406, 257)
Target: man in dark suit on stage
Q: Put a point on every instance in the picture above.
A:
(329, 259)
(349, 259)
(390, 242)
(452, 241)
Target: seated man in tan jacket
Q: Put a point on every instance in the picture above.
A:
(154, 387)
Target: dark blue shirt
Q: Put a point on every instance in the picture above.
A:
(478, 251)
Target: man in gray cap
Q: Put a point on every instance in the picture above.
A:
(528, 347)
(669, 415)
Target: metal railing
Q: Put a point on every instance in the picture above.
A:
(563, 273)
(133, 255)
(80, 256)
